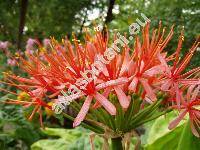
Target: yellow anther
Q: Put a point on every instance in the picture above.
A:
(75, 40)
(23, 96)
(182, 38)
(63, 41)
(48, 111)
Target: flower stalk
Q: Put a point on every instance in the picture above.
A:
(117, 143)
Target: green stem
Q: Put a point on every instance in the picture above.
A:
(151, 118)
(94, 129)
(117, 143)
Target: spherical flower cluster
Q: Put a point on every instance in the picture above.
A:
(145, 68)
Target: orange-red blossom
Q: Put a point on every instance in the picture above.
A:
(146, 65)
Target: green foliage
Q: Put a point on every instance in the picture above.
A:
(159, 127)
(67, 139)
(58, 144)
(181, 138)
(45, 18)
(187, 139)
(15, 131)
(168, 141)
(9, 20)
(54, 18)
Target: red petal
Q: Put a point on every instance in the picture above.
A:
(164, 63)
(189, 81)
(166, 85)
(194, 131)
(148, 89)
(84, 109)
(154, 70)
(133, 84)
(105, 94)
(116, 82)
(175, 122)
(123, 99)
(106, 104)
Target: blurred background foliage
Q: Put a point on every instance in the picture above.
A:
(60, 18)
(24, 19)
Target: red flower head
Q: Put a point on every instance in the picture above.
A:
(190, 104)
(92, 70)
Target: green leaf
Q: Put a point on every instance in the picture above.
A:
(68, 135)
(27, 135)
(58, 144)
(188, 140)
(144, 114)
(167, 142)
(159, 127)
(181, 138)
(133, 108)
(69, 139)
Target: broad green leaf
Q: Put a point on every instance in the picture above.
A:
(67, 139)
(68, 135)
(181, 138)
(58, 144)
(187, 140)
(167, 142)
(160, 127)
